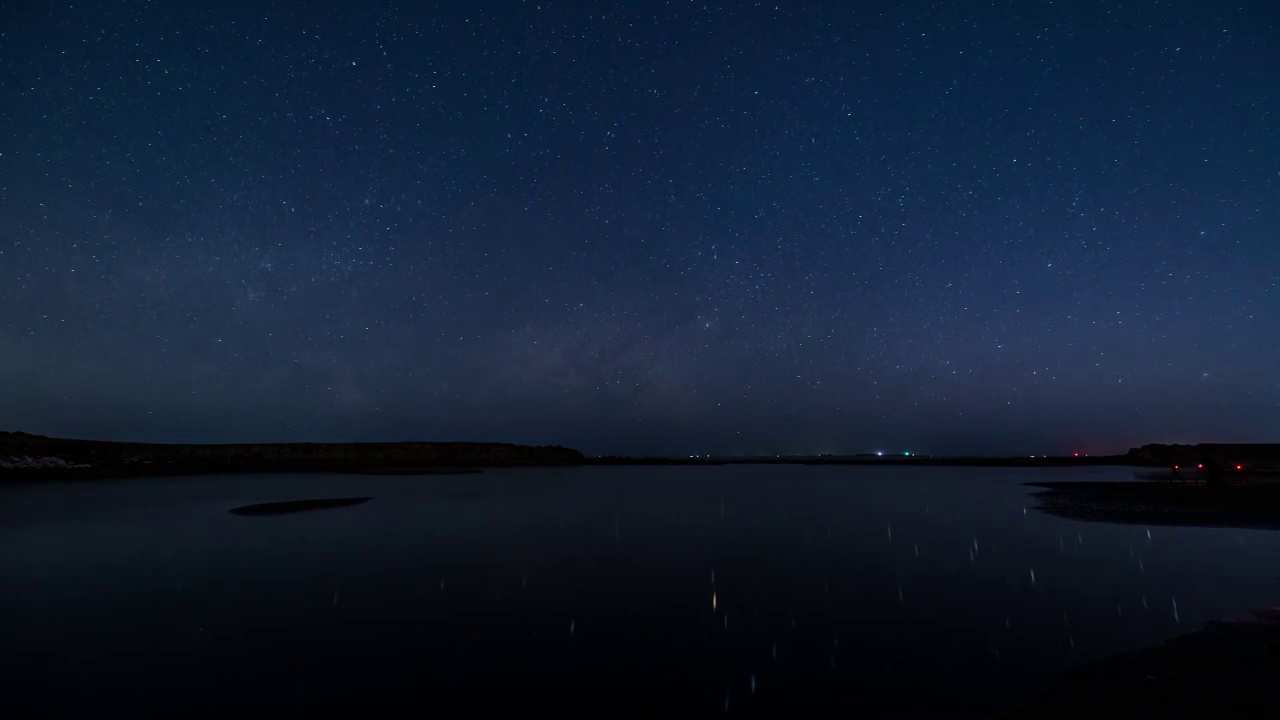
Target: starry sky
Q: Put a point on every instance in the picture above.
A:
(1015, 226)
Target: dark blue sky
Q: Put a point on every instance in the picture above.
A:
(643, 227)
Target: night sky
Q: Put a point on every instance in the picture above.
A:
(1014, 226)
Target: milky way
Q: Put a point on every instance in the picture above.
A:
(643, 227)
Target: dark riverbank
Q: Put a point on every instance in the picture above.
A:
(1226, 670)
(1153, 456)
(35, 457)
(26, 457)
(1164, 503)
(18, 475)
(871, 460)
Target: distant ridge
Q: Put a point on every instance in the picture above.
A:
(23, 454)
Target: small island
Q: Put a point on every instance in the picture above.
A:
(288, 507)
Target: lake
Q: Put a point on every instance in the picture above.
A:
(747, 590)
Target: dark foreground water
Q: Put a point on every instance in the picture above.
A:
(786, 591)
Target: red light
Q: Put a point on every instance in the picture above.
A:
(1200, 466)
(1175, 467)
(1077, 454)
(1239, 467)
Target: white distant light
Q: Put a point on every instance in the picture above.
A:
(879, 453)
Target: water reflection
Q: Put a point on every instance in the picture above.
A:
(138, 573)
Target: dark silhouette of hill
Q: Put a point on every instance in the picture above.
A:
(26, 455)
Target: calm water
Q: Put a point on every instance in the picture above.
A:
(760, 590)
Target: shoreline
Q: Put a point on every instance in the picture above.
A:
(1252, 506)
(874, 461)
(1225, 669)
(74, 474)
(25, 457)
(68, 472)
